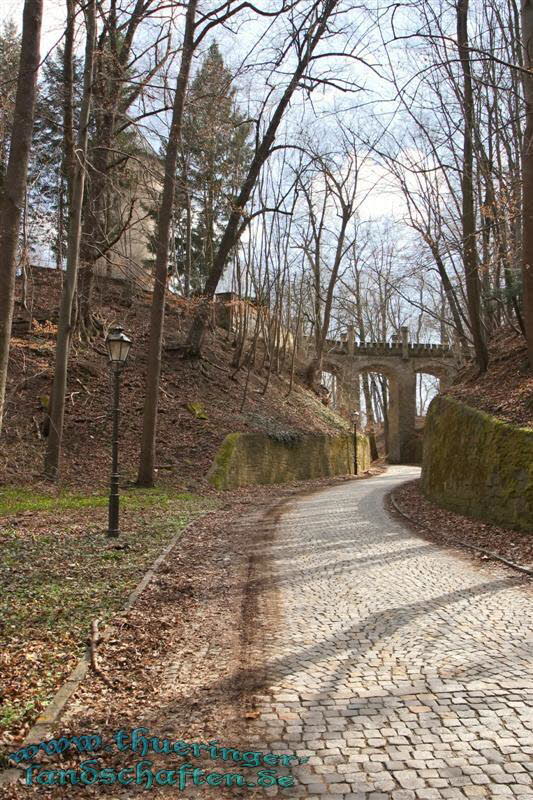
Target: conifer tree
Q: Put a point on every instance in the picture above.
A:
(215, 157)
(48, 192)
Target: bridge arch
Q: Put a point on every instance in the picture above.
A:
(400, 363)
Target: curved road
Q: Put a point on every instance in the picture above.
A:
(403, 670)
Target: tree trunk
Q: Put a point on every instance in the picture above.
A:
(234, 227)
(451, 298)
(527, 177)
(467, 186)
(65, 325)
(370, 416)
(94, 241)
(16, 176)
(328, 305)
(188, 234)
(157, 315)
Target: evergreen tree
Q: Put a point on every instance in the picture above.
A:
(48, 182)
(214, 160)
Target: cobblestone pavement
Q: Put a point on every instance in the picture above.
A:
(401, 669)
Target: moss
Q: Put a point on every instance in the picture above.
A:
(478, 465)
(252, 458)
(223, 458)
(197, 410)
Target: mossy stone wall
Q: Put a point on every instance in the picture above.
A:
(478, 465)
(246, 459)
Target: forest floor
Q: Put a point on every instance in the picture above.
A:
(506, 389)
(448, 528)
(231, 400)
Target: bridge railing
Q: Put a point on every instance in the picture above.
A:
(414, 349)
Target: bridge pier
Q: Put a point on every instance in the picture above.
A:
(402, 414)
(348, 390)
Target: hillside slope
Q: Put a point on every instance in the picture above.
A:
(506, 389)
(186, 445)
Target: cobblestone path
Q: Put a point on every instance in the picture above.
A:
(401, 669)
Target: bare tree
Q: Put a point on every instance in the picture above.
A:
(16, 177)
(527, 176)
(305, 40)
(470, 256)
(75, 157)
(338, 200)
(157, 316)
(195, 31)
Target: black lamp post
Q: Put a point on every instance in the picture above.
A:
(118, 347)
(355, 418)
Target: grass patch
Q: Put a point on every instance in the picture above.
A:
(15, 500)
(59, 571)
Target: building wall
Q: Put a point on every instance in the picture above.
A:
(127, 258)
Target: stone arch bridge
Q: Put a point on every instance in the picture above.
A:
(399, 361)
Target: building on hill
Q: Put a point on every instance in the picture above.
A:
(131, 258)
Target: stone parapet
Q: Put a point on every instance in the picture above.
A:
(395, 349)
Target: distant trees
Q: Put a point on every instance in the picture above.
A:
(308, 31)
(214, 154)
(49, 166)
(456, 152)
(329, 190)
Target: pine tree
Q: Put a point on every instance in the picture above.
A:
(215, 157)
(48, 192)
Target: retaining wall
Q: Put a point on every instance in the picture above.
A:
(246, 459)
(478, 465)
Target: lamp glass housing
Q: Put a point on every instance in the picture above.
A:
(118, 345)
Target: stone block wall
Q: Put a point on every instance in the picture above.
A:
(246, 459)
(478, 465)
